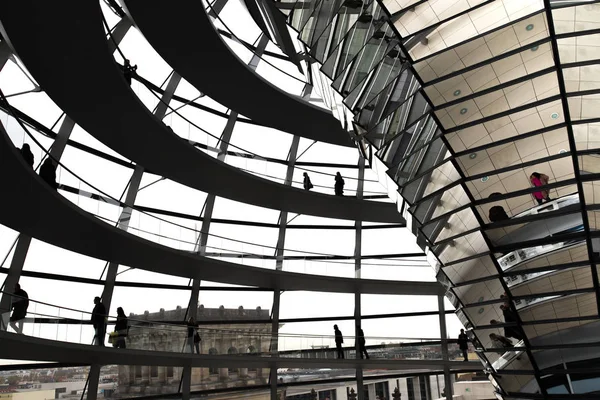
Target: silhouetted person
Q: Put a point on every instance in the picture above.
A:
(19, 305)
(500, 341)
(362, 348)
(121, 328)
(339, 185)
(27, 154)
(128, 71)
(497, 213)
(99, 321)
(510, 317)
(191, 336)
(307, 183)
(197, 340)
(536, 180)
(339, 340)
(48, 173)
(463, 344)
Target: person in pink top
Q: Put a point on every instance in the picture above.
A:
(536, 180)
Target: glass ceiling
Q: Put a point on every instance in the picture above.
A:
(96, 178)
(487, 98)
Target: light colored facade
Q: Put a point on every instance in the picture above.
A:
(47, 394)
(224, 338)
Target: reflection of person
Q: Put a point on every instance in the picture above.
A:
(537, 180)
(99, 321)
(463, 344)
(197, 341)
(339, 339)
(191, 336)
(497, 213)
(20, 303)
(510, 317)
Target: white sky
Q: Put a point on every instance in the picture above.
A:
(112, 179)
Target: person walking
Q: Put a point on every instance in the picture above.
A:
(27, 154)
(510, 317)
(339, 184)
(99, 321)
(362, 348)
(339, 339)
(463, 344)
(121, 328)
(307, 183)
(19, 305)
(48, 173)
(537, 180)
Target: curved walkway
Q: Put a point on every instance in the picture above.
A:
(32, 207)
(75, 68)
(21, 347)
(215, 70)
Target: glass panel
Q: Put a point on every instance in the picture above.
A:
(525, 205)
(513, 384)
(512, 125)
(481, 49)
(470, 269)
(536, 227)
(499, 101)
(515, 179)
(521, 150)
(561, 306)
(550, 333)
(573, 19)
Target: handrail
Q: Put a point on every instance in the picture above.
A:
(174, 111)
(50, 134)
(255, 155)
(134, 207)
(173, 325)
(153, 87)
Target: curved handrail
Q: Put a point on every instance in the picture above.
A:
(169, 325)
(134, 207)
(255, 155)
(553, 205)
(50, 134)
(174, 111)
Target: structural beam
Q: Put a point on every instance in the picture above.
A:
(24, 241)
(210, 202)
(279, 252)
(357, 275)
